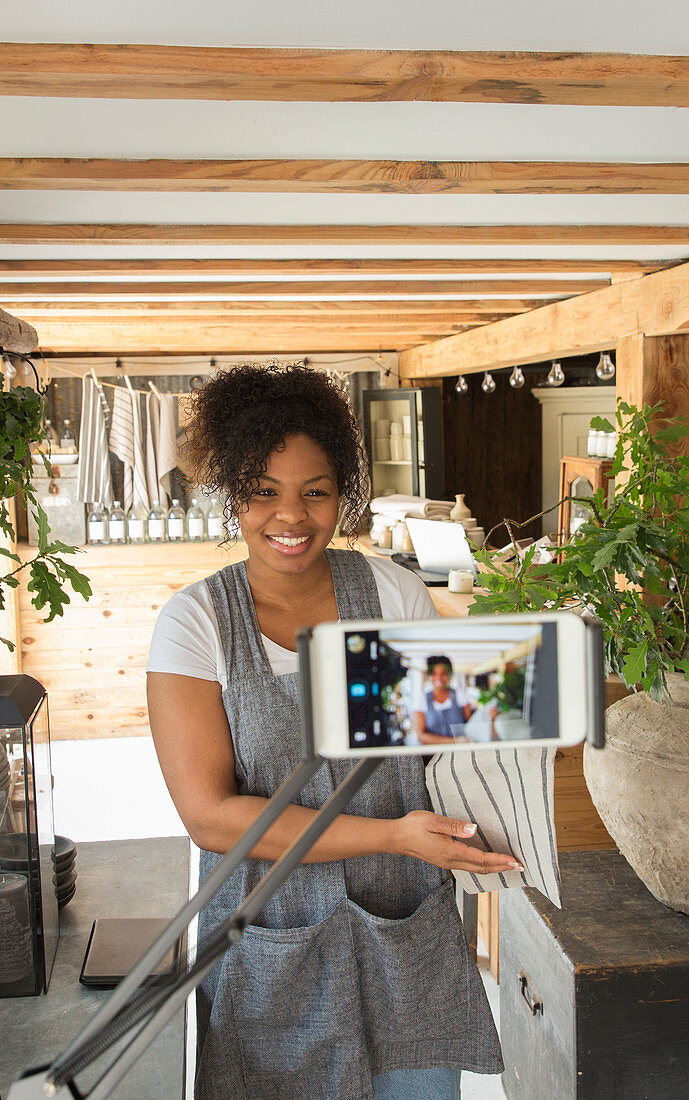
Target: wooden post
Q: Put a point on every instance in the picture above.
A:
(656, 368)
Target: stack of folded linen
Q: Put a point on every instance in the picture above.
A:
(399, 506)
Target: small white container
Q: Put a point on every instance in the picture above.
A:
(396, 428)
(612, 444)
(406, 447)
(382, 449)
(396, 448)
(406, 425)
(385, 538)
(460, 580)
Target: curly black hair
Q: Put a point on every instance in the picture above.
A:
(441, 659)
(240, 416)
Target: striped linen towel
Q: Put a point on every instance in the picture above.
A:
(162, 455)
(93, 476)
(126, 444)
(167, 455)
(508, 793)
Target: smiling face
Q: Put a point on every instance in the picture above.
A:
(439, 677)
(292, 515)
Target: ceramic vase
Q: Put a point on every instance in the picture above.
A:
(460, 512)
(639, 784)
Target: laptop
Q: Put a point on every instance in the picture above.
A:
(440, 546)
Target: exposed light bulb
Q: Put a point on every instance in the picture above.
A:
(9, 369)
(606, 368)
(461, 385)
(556, 376)
(517, 378)
(488, 384)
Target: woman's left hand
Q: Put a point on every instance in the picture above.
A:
(442, 841)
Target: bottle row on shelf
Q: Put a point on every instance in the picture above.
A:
(114, 526)
(64, 441)
(601, 444)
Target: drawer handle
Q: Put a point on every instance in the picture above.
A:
(530, 996)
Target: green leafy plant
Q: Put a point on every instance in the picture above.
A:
(508, 692)
(628, 564)
(21, 417)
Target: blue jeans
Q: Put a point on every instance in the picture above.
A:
(418, 1084)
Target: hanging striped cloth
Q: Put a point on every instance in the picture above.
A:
(93, 476)
(140, 486)
(509, 794)
(126, 444)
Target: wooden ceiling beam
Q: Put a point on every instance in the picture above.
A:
(183, 72)
(598, 236)
(307, 176)
(311, 308)
(214, 338)
(656, 305)
(357, 288)
(315, 267)
(16, 335)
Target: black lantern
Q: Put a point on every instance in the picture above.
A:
(29, 928)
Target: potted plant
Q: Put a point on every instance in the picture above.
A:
(21, 433)
(628, 565)
(507, 697)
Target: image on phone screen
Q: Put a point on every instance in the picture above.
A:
(414, 685)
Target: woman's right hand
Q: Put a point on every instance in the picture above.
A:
(442, 841)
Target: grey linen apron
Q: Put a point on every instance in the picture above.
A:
(358, 966)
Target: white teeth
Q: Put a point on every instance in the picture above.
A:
(289, 542)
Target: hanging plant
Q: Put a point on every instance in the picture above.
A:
(628, 564)
(21, 418)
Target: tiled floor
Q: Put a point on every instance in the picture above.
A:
(113, 790)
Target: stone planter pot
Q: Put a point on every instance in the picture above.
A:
(640, 786)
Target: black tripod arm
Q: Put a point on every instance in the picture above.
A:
(39, 1084)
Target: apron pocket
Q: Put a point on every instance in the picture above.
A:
(414, 972)
(295, 1004)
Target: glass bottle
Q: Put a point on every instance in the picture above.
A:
(215, 518)
(49, 434)
(117, 526)
(136, 524)
(96, 525)
(175, 522)
(196, 523)
(157, 524)
(68, 440)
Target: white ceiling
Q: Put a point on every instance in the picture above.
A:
(631, 26)
(61, 127)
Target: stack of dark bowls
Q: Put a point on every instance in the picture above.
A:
(64, 870)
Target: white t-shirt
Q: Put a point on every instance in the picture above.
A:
(186, 638)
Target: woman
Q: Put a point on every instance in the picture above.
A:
(444, 714)
(357, 979)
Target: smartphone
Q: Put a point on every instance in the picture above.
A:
(382, 688)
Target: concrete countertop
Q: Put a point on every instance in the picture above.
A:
(119, 878)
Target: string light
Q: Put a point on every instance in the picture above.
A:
(461, 385)
(606, 368)
(488, 384)
(556, 376)
(517, 378)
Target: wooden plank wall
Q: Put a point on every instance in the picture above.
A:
(92, 661)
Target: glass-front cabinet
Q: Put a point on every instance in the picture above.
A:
(403, 436)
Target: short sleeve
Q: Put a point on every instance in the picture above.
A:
(185, 638)
(402, 595)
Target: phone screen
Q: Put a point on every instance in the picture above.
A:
(425, 684)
